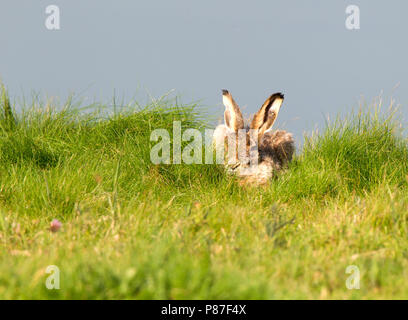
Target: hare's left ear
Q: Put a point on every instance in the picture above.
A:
(266, 116)
(232, 115)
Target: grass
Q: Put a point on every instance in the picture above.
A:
(134, 230)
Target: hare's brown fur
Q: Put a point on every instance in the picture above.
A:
(275, 148)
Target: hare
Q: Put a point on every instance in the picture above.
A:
(258, 153)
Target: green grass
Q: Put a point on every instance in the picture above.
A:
(134, 230)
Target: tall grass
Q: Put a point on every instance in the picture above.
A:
(352, 155)
(132, 229)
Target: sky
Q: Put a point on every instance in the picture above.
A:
(139, 49)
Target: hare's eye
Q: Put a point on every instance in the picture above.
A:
(233, 167)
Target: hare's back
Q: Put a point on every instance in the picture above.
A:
(278, 143)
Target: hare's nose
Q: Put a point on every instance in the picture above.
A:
(246, 162)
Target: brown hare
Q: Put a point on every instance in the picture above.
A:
(255, 153)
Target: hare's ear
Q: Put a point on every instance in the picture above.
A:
(266, 116)
(232, 115)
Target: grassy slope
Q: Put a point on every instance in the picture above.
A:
(135, 230)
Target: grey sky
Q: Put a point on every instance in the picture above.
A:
(252, 48)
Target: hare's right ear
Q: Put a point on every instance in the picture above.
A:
(232, 115)
(266, 116)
